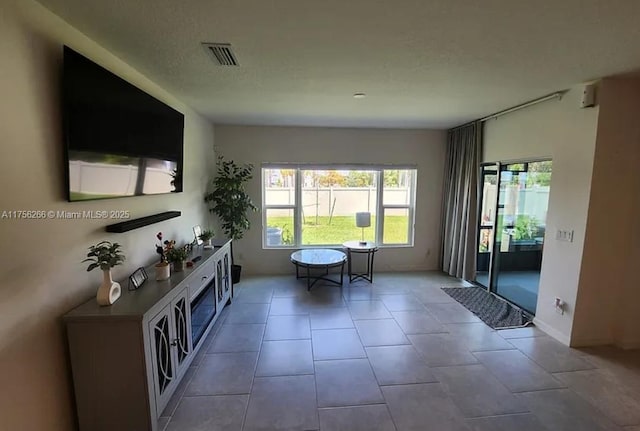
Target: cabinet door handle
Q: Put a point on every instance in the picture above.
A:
(175, 341)
(204, 277)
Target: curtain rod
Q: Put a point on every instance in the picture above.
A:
(554, 95)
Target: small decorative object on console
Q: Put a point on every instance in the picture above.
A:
(163, 270)
(206, 237)
(105, 255)
(138, 278)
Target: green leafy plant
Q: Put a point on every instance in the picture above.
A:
(206, 235)
(229, 199)
(104, 255)
(526, 227)
(177, 254)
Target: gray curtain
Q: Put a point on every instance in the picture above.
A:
(460, 205)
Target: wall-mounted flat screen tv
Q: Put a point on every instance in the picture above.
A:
(120, 141)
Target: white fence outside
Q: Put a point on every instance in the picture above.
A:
(339, 201)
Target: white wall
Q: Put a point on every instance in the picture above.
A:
(567, 134)
(41, 276)
(424, 148)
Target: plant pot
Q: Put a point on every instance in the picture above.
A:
(235, 273)
(163, 271)
(207, 242)
(178, 266)
(109, 291)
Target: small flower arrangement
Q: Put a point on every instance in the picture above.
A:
(177, 254)
(164, 248)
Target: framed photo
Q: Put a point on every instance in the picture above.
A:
(138, 278)
(197, 230)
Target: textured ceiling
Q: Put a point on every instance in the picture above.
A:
(422, 63)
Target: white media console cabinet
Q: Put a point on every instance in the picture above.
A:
(128, 358)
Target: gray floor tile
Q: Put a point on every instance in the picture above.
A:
(331, 318)
(517, 372)
(404, 302)
(476, 392)
(359, 418)
(179, 392)
(363, 292)
(602, 390)
(431, 295)
(282, 403)
(254, 296)
(223, 413)
(440, 350)
(224, 374)
(519, 422)
(368, 310)
(550, 354)
(248, 313)
(478, 336)
(422, 407)
(380, 332)
(346, 382)
(418, 322)
(237, 338)
(398, 365)
(287, 328)
(451, 313)
(162, 423)
(288, 306)
(285, 358)
(336, 344)
(529, 331)
(563, 410)
(632, 428)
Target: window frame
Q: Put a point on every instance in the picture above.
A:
(380, 206)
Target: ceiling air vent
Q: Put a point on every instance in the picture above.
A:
(221, 53)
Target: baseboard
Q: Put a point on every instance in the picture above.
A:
(591, 342)
(549, 330)
(628, 345)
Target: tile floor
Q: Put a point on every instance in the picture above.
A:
(398, 354)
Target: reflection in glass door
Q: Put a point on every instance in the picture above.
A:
(486, 222)
(515, 255)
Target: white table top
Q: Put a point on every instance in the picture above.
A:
(318, 256)
(357, 245)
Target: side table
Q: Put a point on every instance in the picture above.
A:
(357, 247)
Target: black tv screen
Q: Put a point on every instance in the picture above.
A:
(120, 141)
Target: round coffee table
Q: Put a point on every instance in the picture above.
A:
(318, 259)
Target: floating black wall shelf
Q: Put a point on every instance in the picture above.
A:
(142, 222)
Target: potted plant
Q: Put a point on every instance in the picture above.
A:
(163, 270)
(177, 256)
(105, 255)
(231, 203)
(206, 236)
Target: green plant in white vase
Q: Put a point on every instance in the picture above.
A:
(105, 255)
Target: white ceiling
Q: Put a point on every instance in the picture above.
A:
(422, 63)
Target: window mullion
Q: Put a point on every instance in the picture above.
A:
(297, 214)
(379, 207)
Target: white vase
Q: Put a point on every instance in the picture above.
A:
(109, 291)
(163, 271)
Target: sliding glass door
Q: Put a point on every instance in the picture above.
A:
(513, 239)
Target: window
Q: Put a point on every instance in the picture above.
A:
(316, 206)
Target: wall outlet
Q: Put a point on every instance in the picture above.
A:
(564, 235)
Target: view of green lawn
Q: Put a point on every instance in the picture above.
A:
(338, 229)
